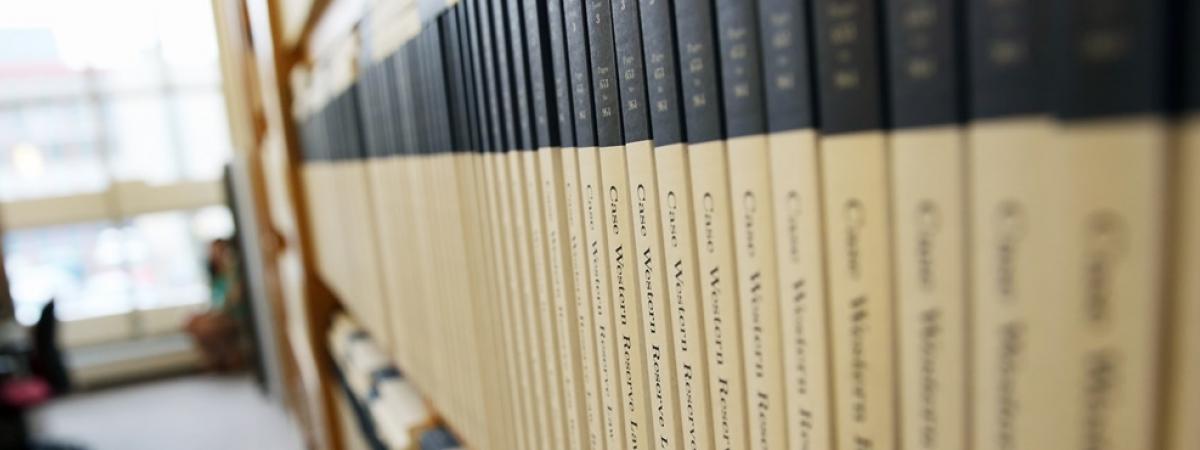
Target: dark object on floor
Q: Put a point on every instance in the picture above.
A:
(14, 432)
(47, 360)
(31, 373)
(20, 388)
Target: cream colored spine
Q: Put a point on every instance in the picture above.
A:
(796, 181)
(712, 210)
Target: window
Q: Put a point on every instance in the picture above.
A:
(166, 252)
(79, 265)
(40, 161)
(108, 117)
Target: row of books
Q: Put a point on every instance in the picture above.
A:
(769, 224)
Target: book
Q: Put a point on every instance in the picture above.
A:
(1183, 402)
(416, 171)
(595, 221)
(377, 109)
(928, 194)
(478, 168)
(697, 50)
(449, 253)
(516, 428)
(313, 176)
(357, 228)
(752, 207)
(462, 222)
(678, 263)
(317, 178)
(561, 168)
(415, 201)
(335, 275)
(613, 198)
(641, 198)
(796, 195)
(527, 403)
(375, 101)
(854, 168)
(432, 256)
(395, 174)
(547, 163)
(496, 392)
(456, 253)
(535, 400)
(525, 219)
(1015, 224)
(1110, 102)
(524, 167)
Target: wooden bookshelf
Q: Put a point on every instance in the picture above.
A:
(264, 45)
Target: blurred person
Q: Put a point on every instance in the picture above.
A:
(218, 332)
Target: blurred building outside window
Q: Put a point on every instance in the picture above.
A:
(110, 94)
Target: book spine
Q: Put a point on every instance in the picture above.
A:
(679, 264)
(520, 403)
(858, 246)
(1183, 400)
(433, 255)
(1014, 210)
(548, 163)
(338, 278)
(594, 220)
(1110, 102)
(370, 107)
(795, 184)
(400, 170)
(512, 214)
(625, 290)
(375, 280)
(928, 169)
(437, 254)
(450, 254)
(590, 362)
(526, 169)
(396, 225)
(454, 250)
(430, 260)
(565, 164)
(359, 282)
(711, 208)
(312, 181)
(502, 390)
(372, 103)
(752, 207)
(392, 225)
(646, 229)
(527, 201)
(509, 47)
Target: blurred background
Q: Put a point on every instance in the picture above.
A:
(130, 326)
(153, 291)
